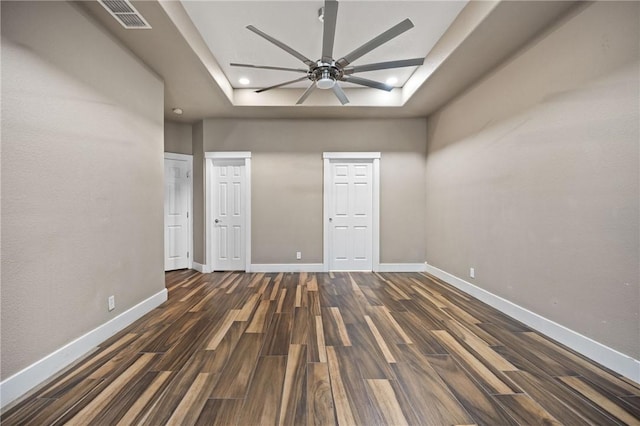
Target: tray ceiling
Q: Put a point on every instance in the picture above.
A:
(222, 26)
(191, 44)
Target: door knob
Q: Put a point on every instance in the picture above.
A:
(217, 221)
(330, 219)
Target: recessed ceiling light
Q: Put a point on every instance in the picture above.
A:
(177, 111)
(392, 80)
(244, 81)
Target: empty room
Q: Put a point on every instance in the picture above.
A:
(320, 212)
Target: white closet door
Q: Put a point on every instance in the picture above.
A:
(228, 215)
(350, 216)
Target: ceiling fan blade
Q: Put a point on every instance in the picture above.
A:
(367, 82)
(281, 45)
(266, 67)
(384, 65)
(282, 84)
(337, 90)
(306, 93)
(329, 29)
(376, 42)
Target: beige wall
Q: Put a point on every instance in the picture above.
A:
(533, 177)
(177, 138)
(198, 195)
(287, 181)
(82, 193)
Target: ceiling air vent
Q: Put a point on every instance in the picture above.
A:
(125, 13)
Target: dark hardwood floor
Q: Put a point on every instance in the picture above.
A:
(345, 348)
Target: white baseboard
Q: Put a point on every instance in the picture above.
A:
(200, 267)
(319, 267)
(287, 267)
(402, 267)
(26, 379)
(610, 358)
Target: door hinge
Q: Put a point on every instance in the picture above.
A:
(187, 255)
(187, 215)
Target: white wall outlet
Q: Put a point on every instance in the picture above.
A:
(112, 303)
(472, 272)
(298, 255)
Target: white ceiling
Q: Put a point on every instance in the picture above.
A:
(193, 63)
(222, 26)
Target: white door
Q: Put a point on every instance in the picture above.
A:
(351, 216)
(177, 189)
(228, 215)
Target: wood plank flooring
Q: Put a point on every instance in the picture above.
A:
(323, 349)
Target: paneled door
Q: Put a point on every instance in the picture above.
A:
(350, 215)
(177, 202)
(228, 215)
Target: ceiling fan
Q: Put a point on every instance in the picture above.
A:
(327, 71)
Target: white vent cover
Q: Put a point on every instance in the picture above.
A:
(125, 13)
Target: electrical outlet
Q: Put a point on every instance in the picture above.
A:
(112, 303)
(472, 272)
(298, 255)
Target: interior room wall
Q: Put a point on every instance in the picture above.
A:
(82, 173)
(532, 177)
(177, 138)
(287, 182)
(198, 194)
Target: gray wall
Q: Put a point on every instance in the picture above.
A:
(198, 195)
(287, 182)
(532, 177)
(82, 192)
(177, 138)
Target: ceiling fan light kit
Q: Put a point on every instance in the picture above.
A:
(326, 80)
(326, 72)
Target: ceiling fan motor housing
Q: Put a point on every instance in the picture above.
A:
(325, 75)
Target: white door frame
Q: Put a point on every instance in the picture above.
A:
(210, 157)
(374, 157)
(189, 159)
